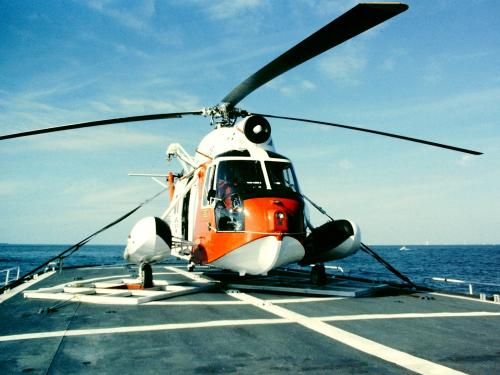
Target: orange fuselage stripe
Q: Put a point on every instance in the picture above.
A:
(260, 221)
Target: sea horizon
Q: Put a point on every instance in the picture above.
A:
(370, 244)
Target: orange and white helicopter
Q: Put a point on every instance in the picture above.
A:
(237, 203)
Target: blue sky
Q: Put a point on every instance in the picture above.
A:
(432, 72)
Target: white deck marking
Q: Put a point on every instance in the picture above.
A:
(102, 278)
(193, 303)
(211, 324)
(86, 281)
(233, 302)
(4, 297)
(304, 299)
(410, 362)
(340, 318)
(147, 328)
(471, 299)
(197, 276)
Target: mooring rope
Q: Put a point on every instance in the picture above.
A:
(72, 249)
(369, 251)
(387, 265)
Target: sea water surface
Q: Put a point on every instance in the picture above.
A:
(475, 263)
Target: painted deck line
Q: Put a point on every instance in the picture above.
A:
(197, 276)
(472, 299)
(4, 297)
(193, 303)
(304, 299)
(410, 362)
(200, 277)
(101, 278)
(117, 277)
(233, 302)
(342, 318)
(224, 323)
(142, 329)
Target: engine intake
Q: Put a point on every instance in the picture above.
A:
(257, 129)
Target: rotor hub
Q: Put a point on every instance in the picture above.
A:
(224, 114)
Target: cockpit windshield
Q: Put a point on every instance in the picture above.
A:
(240, 179)
(281, 177)
(248, 178)
(240, 176)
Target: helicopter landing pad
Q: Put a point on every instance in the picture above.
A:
(174, 281)
(232, 331)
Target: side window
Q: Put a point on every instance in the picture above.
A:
(289, 179)
(281, 176)
(208, 190)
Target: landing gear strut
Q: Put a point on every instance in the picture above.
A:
(190, 265)
(318, 274)
(146, 275)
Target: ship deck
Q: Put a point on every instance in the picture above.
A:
(207, 327)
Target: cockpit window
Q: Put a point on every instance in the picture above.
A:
(239, 176)
(241, 179)
(236, 181)
(275, 155)
(281, 176)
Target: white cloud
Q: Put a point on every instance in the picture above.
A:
(388, 64)
(224, 9)
(135, 15)
(307, 85)
(344, 67)
(345, 164)
(31, 111)
(138, 16)
(177, 102)
(104, 195)
(28, 111)
(127, 50)
(288, 88)
(9, 187)
(475, 101)
(327, 7)
(98, 139)
(436, 67)
(433, 71)
(465, 160)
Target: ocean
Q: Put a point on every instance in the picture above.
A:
(471, 263)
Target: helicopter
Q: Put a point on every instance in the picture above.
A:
(237, 204)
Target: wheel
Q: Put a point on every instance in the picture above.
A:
(318, 274)
(147, 276)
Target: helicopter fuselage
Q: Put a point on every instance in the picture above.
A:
(245, 211)
(237, 205)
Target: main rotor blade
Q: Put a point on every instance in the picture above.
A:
(430, 143)
(355, 21)
(89, 124)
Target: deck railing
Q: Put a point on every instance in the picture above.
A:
(9, 272)
(470, 284)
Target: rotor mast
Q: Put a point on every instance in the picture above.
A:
(223, 114)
